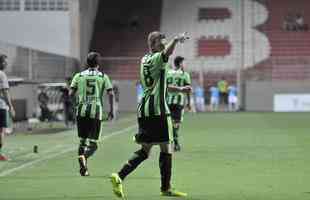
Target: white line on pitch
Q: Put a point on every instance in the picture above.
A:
(28, 164)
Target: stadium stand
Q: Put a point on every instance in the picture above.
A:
(121, 68)
(217, 43)
(275, 53)
(122, 42)
(13, 5)
(213, 46)
(290, 50)
(213, 14)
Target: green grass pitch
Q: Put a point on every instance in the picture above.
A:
(225, 156)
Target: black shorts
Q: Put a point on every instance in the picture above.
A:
(223, 98)
(157, 129)
(3, 118)
(176, 112)
(88, 128)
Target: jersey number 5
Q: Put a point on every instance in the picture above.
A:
(91, 86)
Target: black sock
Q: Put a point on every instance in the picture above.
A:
(176, 135)
(0, 148)
(165, 165)
(133, 163)
(92, 147)
(82, 147)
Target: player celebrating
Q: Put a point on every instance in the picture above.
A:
(90, 85)
(177, 79)
(155, 126)
(5, 102)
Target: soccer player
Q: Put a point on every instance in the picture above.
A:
(68, 104)
(155, 126)
(223, 86)
(214, 98)
(177, 78)
(90, 86)
(199, 98)
(5, 104)
(116, 100)
(232, 98)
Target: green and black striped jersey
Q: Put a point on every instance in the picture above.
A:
(153, 80)
(91, 85)
(177, 78)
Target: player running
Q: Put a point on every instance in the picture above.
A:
(177, 79)
(90, 86)
(155, 126)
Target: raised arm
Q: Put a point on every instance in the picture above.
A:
(171, 45)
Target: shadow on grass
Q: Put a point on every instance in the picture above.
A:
(73, 176)
(107, 176)
(60, 197)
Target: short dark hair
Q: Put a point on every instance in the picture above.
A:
(178, 60)
(3, 57)
(2, 60)
(152, 37)
(92, 59)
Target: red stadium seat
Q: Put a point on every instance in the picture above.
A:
(290, 50)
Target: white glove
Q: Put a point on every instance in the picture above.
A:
(182, 37)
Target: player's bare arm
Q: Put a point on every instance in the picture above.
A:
(7, 99)
(186, 89)
(171, 45)
(72, 92)
(188, 105)
(110, 94)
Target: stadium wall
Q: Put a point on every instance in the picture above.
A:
(248, 46)
(50, 30)
(51, 51)
(37, 66)
(259, 94)
(65, 31)
(127, 96)
(26, 93)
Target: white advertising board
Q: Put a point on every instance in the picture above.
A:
(291, 103)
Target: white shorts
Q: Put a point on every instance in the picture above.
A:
(200, 104)
(232, 99)
(200, 100)
(139, 98)
(214, 101)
